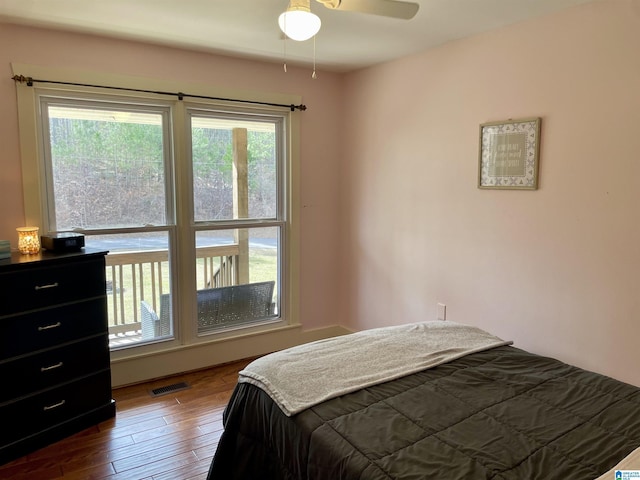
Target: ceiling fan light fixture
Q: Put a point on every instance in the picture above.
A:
(297, 22)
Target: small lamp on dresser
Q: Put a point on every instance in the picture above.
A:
(28, 240)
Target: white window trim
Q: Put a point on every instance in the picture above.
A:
(31, 148)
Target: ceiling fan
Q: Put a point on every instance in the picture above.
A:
(299, 23)
(386, 8)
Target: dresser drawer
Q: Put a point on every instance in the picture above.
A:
(49, 408)
(45, 285)
(48, 368)
(20, 334)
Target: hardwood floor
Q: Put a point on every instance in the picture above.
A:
(169, 437)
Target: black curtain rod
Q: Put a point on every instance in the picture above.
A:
(30, 81)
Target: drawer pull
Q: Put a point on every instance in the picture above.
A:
(52, 367)
(42, 287)
(55, 405)
(49, 327)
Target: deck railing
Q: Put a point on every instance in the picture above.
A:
(144, 275)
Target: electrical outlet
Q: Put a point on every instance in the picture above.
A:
(442, 311)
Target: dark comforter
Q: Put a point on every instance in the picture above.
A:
(498, 414)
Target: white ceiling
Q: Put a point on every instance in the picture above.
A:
(248, 28)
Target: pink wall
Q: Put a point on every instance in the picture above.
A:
(319, 154)
(553, 269)
(556, 269)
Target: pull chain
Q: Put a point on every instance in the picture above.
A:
(285, 54)
(285, 46)
(313, 75)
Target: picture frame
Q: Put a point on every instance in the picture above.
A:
(509, 154)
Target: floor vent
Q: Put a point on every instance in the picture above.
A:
(176, 387)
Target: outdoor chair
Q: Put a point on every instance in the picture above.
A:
(151, 325)
(217, 308)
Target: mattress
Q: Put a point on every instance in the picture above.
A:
(501, 413)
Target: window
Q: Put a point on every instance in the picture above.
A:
(107, 173)
(105, 164)
(235, 165)
(189, 198)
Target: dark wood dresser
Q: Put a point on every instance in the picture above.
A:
(54, 349)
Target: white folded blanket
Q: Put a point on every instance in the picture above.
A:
(301, 377)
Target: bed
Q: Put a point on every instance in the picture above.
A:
(420, 401)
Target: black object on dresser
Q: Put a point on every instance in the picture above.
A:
(54, 349)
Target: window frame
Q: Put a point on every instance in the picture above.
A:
(280, 221)
(57, 98)
(35, 201)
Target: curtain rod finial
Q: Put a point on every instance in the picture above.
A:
(23, 79)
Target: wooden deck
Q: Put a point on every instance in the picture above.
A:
(168, 437)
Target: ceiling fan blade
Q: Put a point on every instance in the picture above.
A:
(385, 8)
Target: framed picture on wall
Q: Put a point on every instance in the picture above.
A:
(509, 154)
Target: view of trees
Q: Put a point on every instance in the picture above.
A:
(213, 176)
(109, 172)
